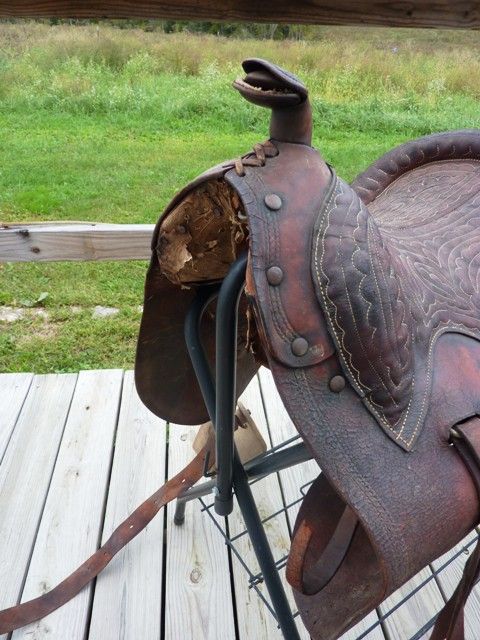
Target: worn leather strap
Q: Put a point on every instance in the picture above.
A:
(450, 622)
(28, 612)
(317, 576)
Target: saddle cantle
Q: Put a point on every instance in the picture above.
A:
(363, 300)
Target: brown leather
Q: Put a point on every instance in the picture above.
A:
(450, 623)
(164, 376)
(376, 286)
(391, 278)
(267, 85)
(28, 612)
(384, 339)
(316, 576)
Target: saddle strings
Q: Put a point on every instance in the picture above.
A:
(257, 157)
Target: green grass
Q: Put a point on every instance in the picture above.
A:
(106, 125)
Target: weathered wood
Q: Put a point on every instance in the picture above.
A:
(14, 388)
(50, 242)
(73, 513)
(128, 597)
(414, 13)
(25, 476)
(198, 599)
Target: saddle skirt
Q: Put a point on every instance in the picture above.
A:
(364, 301)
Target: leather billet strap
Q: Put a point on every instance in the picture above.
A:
(316, 577)
(313, 578)
(33, 610)
(450, 622)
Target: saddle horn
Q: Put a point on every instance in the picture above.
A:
(267, 85)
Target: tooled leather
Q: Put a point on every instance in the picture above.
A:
(393, 277)
(276, 307)
(464, 144)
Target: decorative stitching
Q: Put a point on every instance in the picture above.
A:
(332, 315)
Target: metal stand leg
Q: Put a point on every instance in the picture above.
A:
(220, 400)
(263, 552)
(179, 516)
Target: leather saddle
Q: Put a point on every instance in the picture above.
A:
(364, 301)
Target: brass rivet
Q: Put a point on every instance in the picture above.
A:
(274, 276)
(337, 384)
(299, 347)
(273, 201)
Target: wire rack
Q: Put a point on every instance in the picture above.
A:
(255, 578)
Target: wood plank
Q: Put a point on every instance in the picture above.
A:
(282, 428)
(449, 578)
(25, 476)
(254, 619)
(13, 386)
(71, 522)
(198, 598)
(49, 242)
(128, 595)
(417, 13)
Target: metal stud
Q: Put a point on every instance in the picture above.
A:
(299, 347)
(274, 276)
(273, 201)
(337, 384)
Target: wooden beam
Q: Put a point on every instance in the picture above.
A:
(51, 242)
(399, 13)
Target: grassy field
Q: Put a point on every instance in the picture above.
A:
(105, 124)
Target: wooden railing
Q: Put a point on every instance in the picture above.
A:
(53, 241)
(412, 13)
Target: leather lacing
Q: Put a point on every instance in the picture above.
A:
(257, 158)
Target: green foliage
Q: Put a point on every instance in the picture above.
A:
(106, 124)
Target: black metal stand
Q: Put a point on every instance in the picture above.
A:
(220, 400)
(234, 477)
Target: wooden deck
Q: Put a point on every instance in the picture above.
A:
(80, 452)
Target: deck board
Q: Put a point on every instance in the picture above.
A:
(172, 581)
(128, 594)
(198, 602)
(417, 611)
(25, 476)
(73, 515)
(448, 580)
(15, 387)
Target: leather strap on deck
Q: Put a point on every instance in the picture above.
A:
(450, 622)
(33, 610)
